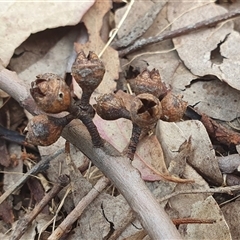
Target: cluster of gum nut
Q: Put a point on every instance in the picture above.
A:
(151, 101)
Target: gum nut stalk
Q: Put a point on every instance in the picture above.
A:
(149, 82)
(51, 93)
(145, 110)
(88, 71)
(43, 130)
(111, 107)
(173, 108)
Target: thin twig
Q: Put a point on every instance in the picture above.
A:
(23, 223)
(210, 190)
(39, 167)
(178, 221)
(78, 210)
(179, 32)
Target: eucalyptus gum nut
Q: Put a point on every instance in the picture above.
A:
(173, 108)
(43, 131)
(149, 82)
(111, 107)
(51, 93)
(88, 71)
(145, 110)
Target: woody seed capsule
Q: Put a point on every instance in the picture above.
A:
(111, 107)
(145, 111)
(149, 82)
(88, 73)
(173, 108)
(44, 130)
(51, 93)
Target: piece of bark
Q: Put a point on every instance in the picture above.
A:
(219, 132)
(215, 130)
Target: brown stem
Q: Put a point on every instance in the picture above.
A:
(136, 132)
(93, 131)
(62, 121)
(179, 32)
(85, 99)
(85, 114)
(23, 223)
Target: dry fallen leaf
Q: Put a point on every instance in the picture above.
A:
(232, 217)
(208, 209)
(214, 50)
(149, 160)
(181, 204)
(214, 98)
(172, 135)
(25, 18)
(105, 213)
(43, 53)
(140, 18)
(6, 212)
(230, 163)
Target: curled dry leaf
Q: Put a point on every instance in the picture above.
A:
(219, 132)
(172, 135)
